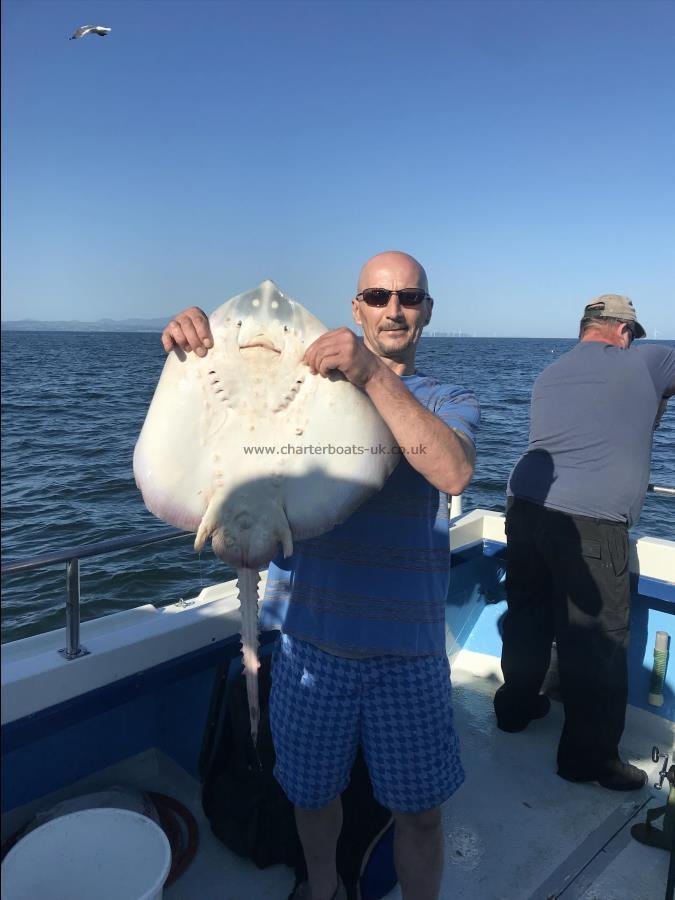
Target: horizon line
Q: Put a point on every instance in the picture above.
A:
(435, 337)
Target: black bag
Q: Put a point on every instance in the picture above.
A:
(244, 803)
(249, 812)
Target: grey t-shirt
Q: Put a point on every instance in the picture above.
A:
(591, 426)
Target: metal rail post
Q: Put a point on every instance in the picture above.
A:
(73, 648)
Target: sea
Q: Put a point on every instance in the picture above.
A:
(72, 408)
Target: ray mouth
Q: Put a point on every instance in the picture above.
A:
(259, 343)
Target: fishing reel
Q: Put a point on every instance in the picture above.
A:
(646, 832)
(666, 773)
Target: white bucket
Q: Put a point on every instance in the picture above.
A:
(92, 854)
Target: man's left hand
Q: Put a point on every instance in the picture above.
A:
(340, 350)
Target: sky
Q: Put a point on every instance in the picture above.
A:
(524, 152)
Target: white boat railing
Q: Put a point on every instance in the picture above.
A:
(71, 556)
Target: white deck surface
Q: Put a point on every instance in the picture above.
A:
(514, 831)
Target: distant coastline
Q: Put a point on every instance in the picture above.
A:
(101, 325)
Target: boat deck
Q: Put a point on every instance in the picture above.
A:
(514, 831)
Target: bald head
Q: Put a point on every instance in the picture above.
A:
(392, 269)
(392, 331)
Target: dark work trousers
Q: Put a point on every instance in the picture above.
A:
(568, 579)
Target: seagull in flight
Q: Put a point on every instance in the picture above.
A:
(101, 30)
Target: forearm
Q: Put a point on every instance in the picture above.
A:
(429, 445)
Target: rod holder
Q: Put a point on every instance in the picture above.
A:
(73, 649)
(658, 677)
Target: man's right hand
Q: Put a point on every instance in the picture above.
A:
(189, 330)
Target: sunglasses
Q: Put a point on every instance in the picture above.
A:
(631, 328)
(381, 296)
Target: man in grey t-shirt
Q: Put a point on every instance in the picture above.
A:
(572, 497)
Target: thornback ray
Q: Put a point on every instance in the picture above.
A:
(247, 447)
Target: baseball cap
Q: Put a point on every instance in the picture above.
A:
(614, 306)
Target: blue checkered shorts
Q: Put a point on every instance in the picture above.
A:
(398, 708)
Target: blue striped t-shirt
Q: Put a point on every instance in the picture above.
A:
(377, 584)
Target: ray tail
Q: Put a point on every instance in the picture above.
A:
(247, 585)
